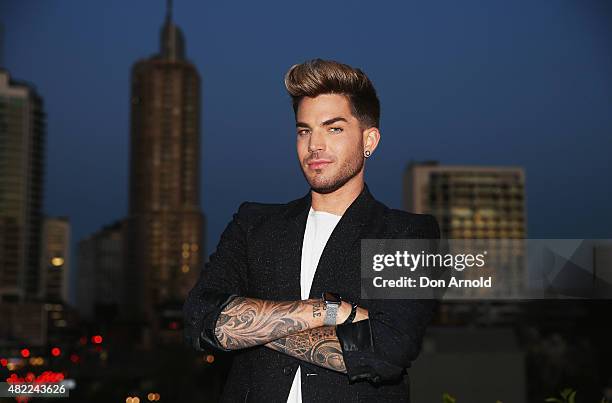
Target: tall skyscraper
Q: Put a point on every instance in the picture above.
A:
(22, 133)
(165, 223)
(55, 263)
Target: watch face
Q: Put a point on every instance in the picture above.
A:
(331, 297)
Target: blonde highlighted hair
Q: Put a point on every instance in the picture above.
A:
(317, 76)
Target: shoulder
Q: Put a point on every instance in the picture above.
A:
(250, 208)
(255, 213)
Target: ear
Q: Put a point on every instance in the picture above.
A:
(371, 138)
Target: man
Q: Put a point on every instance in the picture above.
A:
(282, 290)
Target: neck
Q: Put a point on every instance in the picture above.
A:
(340, 199)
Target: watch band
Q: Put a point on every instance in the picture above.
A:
(332, 302)
(351, 317)
(331, 311)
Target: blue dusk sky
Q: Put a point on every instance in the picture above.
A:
(516, 83)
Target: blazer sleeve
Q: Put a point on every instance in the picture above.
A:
(379, 348)
(222, 278)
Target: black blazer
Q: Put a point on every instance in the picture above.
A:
(259, 256)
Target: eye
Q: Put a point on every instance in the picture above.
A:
(302, 132)
(336, 130)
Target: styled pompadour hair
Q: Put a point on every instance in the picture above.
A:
(317, 76)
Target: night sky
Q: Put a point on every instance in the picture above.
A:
(522, 83)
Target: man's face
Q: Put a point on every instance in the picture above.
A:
(329, 142)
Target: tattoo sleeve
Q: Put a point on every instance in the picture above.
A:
(247, 322)
(319, 346)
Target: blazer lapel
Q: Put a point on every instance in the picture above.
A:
(289, 250)
(347, 232)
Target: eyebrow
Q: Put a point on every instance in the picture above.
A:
(326, 123)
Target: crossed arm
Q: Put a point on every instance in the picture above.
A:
(295, 328)
(318, 346)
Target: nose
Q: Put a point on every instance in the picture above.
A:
(316, 141)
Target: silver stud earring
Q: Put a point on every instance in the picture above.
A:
(367, 153)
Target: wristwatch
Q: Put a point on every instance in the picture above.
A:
(332, 302)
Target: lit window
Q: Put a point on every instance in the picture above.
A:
(57, 261)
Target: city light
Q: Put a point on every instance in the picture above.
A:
(132, 399)
(55, 351)
(45, 377)
(97, 339)
(25, 353)
(153, 397)
(36, 361)
(57, 261)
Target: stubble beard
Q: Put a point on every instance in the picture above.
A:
(349, 169)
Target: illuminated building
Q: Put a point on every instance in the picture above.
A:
(472, 203)
(55, 270)
(165, 222)
(468, 201)
(22, 132)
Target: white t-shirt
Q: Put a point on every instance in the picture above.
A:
(319, 227)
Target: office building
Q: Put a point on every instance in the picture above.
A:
(484, 203)
(101, 288)
(55, 263)
(22, 133)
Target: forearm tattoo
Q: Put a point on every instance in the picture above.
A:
(247, 322)
(319, 346)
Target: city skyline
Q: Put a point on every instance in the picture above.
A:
(546, 108)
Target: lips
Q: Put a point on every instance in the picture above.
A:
(318, 164)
